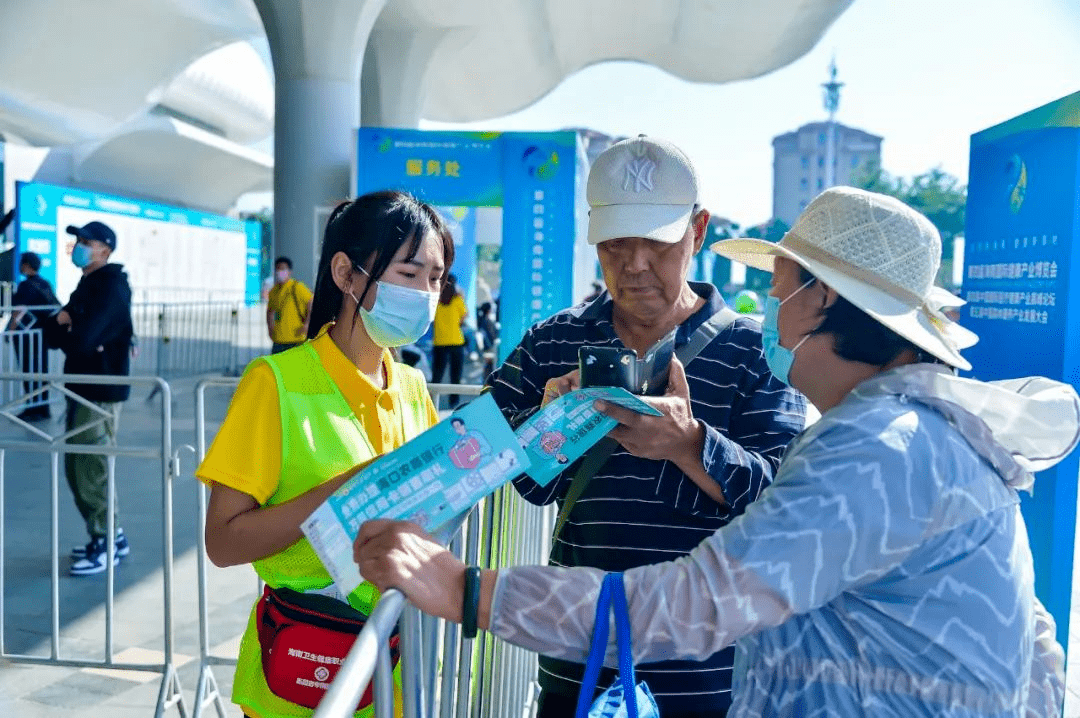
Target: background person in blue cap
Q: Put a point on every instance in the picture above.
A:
(94, 331)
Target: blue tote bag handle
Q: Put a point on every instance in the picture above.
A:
(597, 650)
(612, 597)
(622, 635)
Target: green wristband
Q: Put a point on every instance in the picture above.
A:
(471, 604)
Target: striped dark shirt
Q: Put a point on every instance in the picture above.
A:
(639, 511)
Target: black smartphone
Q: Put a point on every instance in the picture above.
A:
(608, 366)
(654, 366)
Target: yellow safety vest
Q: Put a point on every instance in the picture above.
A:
(321, 438)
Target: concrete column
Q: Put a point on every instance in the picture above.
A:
(313, 142)
(317, 47)
(395, 73)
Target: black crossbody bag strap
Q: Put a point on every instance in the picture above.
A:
(598, 455)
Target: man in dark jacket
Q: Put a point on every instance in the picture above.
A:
(34, 303)
(94, 330)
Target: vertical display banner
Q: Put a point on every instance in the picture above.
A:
(1020, 256)
(169, 253)
(520, 185)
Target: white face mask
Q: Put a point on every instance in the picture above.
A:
(399, 316)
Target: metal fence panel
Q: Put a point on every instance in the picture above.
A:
(484, 677)
(42, 442)
(191, 338)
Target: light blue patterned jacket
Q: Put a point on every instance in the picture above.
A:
(885, 572)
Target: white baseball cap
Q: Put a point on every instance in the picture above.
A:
(641, 187)
(876, 252)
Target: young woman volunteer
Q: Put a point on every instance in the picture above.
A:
(303, 421)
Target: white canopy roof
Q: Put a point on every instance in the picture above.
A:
(88, 74)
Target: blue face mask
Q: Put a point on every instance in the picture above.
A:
(777, 357)
(400, 315)
(81, 256)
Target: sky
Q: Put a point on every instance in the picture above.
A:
(923, 74)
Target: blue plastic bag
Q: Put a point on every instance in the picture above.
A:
(613, 702)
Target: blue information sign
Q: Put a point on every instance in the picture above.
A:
(1019, 256)
(531, 177)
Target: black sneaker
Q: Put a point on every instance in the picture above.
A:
(122, 547)
(95, 559)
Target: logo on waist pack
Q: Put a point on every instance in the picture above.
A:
(315, 657)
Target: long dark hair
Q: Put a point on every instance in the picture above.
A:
(372, 227)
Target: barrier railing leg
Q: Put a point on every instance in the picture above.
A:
(429, 634)
(465, 665)
(170, 694)
(207, 692)
(55, 538)
(412, 664)
(450, 667)
(383, 693)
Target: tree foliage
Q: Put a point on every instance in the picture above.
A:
(936, 193)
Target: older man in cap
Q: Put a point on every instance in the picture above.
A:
(670, 481)
(886, 570)
(94, 330)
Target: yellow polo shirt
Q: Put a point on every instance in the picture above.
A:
(446, 329)
(246, 453)
(289, 303)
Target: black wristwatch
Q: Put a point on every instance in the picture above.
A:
(471, 604)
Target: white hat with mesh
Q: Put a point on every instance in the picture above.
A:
(641, 187)
(877, 253)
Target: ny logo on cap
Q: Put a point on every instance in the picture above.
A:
(638, 172)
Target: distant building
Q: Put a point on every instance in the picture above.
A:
(818, 156)
(799, 163)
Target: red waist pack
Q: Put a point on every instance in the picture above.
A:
(304, 639)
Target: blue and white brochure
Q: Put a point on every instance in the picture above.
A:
(567, 427)
(430, 480)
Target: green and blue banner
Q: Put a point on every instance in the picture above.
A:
(530, 178)
(1020, 255)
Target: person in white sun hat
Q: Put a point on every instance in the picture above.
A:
(886, 570)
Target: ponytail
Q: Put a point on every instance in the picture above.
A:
(328, 297)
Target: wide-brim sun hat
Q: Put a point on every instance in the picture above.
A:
(877, 253)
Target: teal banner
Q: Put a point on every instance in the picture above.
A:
(163, 248)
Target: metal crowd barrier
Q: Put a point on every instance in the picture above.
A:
(189, 338)
(42, 442)
(172, 339)
(462, 679)
(442, 674)
(24, 348)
